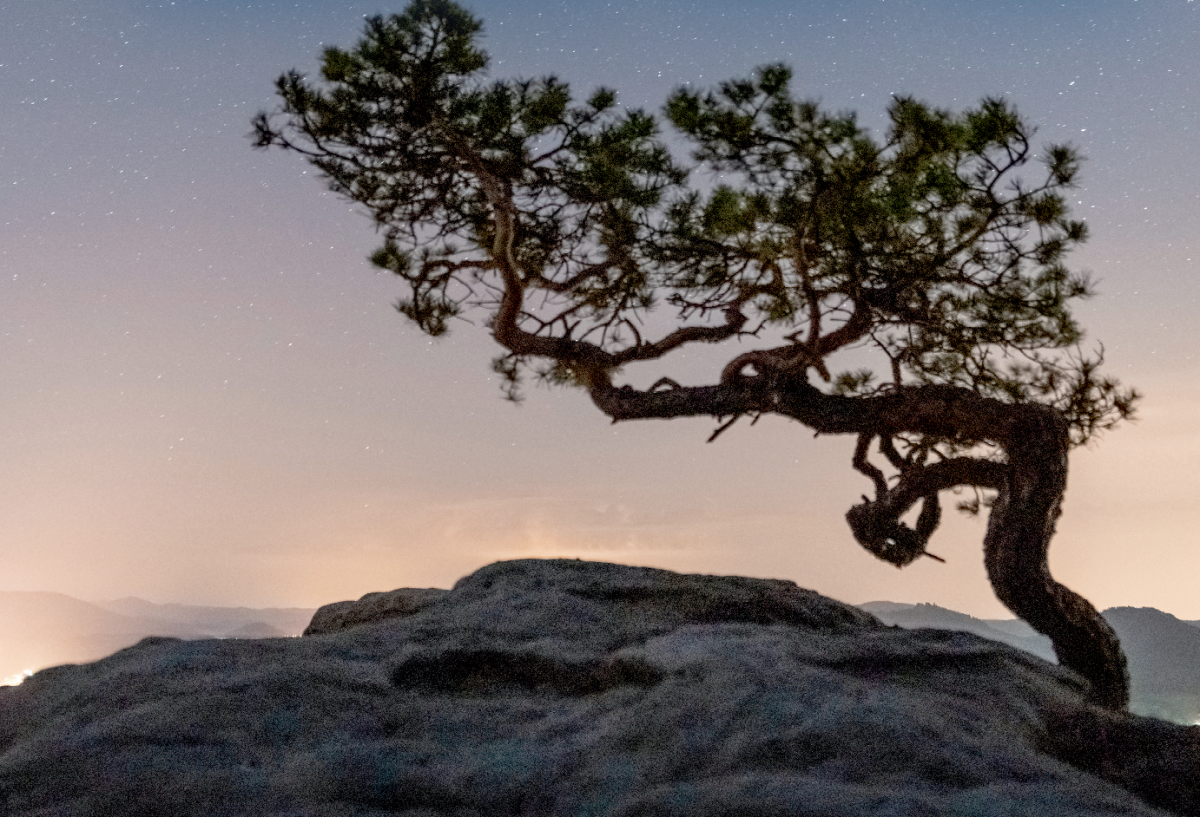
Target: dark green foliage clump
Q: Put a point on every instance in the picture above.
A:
(952, 264)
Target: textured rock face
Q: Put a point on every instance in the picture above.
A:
(371, 608)
(572, 688)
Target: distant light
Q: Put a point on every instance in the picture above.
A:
(14, 680)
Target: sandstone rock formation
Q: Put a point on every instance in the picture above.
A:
(372, 607)
(569, 688)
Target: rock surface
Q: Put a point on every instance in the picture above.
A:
(577, 688)
(372, 607)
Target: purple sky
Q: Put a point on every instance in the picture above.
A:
(208, 397)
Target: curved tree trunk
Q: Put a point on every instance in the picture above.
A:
(1030, 486)
(1016, 548)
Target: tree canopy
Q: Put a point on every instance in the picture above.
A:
(933, 260)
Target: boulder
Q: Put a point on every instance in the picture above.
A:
(372, 607)
(559, 687)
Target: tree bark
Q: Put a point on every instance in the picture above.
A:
(1030, 484)
(1016, 546)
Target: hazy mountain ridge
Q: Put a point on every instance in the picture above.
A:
(216, 622)
(43, 629)
(1013, 632)
(1163, 651)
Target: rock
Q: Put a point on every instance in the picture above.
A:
(370, 608)
(567, 688)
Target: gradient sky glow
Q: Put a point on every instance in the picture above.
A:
(207, 397)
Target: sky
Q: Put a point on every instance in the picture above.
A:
(208, 398)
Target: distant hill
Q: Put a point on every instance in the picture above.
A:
(1164, 660)
(1009, 631)
(217, 622)
(43, 629)
(1163, 651)
(39, 629)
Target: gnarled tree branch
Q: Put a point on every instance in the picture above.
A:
(1030, 482)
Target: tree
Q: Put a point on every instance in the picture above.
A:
(572, 230)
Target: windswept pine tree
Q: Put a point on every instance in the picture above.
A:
(587, 247)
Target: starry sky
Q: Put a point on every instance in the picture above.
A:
(208, 398)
